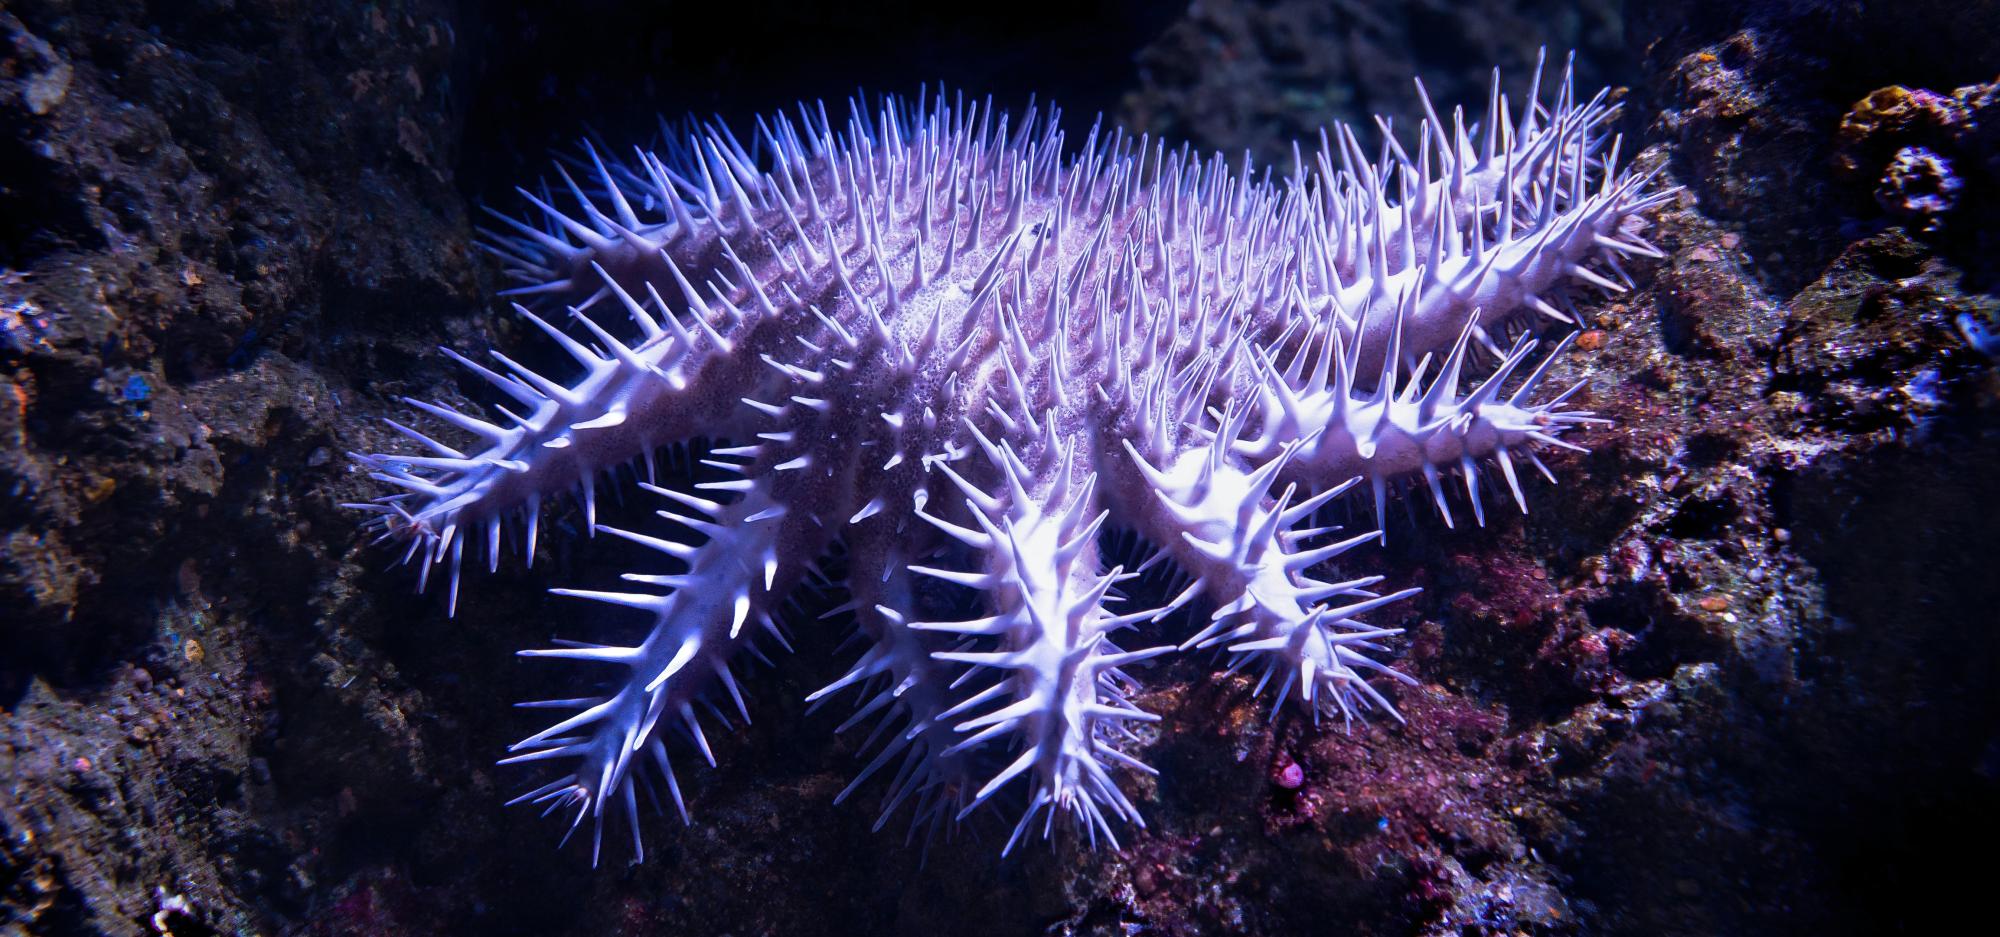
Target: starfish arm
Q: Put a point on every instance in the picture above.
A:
(1234, 538)
(708, 619)
(1065, 705)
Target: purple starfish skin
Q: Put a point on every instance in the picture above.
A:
(952, 353)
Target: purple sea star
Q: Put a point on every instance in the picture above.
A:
(938, 345)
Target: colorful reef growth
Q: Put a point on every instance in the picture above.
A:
(951, 360)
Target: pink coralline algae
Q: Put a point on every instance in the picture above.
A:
(963, 368)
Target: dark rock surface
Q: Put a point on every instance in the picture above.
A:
(1260, 76)
(1738, 674)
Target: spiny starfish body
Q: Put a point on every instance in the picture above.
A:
(940, 347)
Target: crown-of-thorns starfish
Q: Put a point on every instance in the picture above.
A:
(941, 349)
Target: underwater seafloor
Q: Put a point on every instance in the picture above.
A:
(1736, 675)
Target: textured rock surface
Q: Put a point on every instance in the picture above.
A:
(1736, 677)
(1259, 76)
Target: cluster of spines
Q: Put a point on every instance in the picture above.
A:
(912, 698)
(1312, 414)
(1140, 299)
(1064, 700)
(699, 627)
(1245, 551)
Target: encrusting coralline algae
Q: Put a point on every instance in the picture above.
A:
(948, 351)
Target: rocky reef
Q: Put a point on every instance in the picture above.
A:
(1737, 674)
